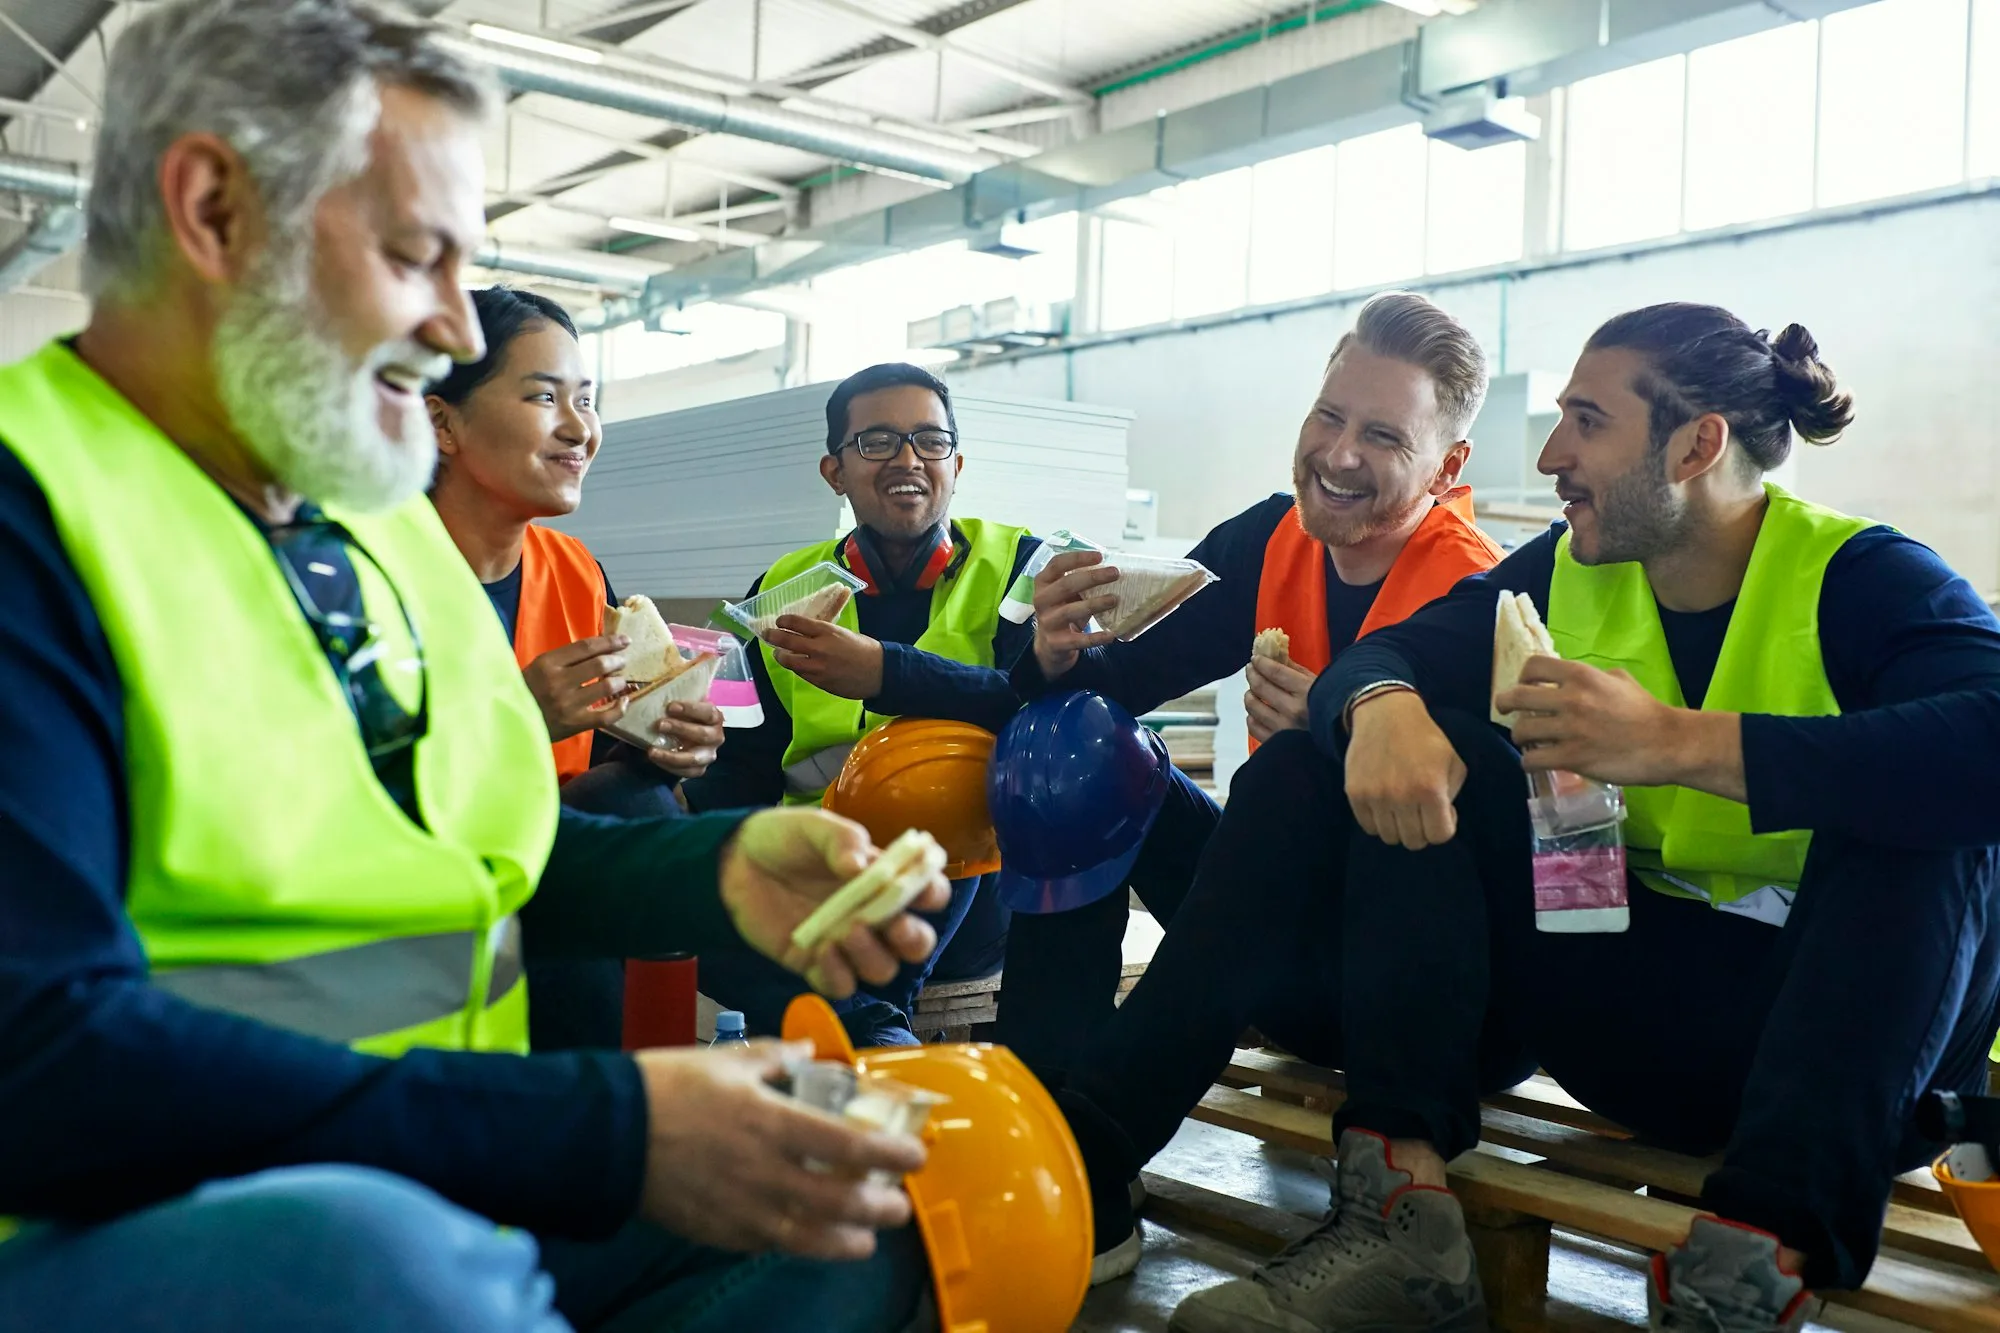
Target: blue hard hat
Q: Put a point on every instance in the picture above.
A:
(1074, 788)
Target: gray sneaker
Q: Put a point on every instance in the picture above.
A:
(1725, 1279)
(1393, 1257)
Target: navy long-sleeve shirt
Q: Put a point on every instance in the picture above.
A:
(749, 769)
(1911, 651)
(1208, 636)
(115, 1094)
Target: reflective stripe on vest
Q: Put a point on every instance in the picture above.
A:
(351, 994)
(965, 613)
(562, 600)
(1688, 843)
(301, 855)
(1291, 589)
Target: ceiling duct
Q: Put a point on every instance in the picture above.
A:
(53, 233)
(61, 181)
(609, 273)
(579, 74)
(1525, 46)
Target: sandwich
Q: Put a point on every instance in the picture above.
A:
(652, 652)
(896, 876)
(824, 604)
(1518, 634)
(1272, 643)
(656, 673)
(1146, 595)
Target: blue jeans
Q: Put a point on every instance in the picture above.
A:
(332, 1249)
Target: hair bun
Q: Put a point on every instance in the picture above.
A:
(1819, 408)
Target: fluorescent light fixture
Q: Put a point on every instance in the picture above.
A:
(1429, 9)
(528, 41)
(666, 231)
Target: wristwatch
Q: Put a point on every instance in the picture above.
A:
(1367, 692)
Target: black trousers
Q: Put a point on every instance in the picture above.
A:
(1061, 976)
(1797, 1052)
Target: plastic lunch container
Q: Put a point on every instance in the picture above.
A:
(639, 724)
(734, 689)
(820, 593)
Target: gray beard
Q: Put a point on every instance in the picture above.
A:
(302, 408)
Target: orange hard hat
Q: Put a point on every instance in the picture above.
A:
(1002, 1201)
(922, 773)
(1971, 1180)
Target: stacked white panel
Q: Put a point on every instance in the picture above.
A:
(698, 503)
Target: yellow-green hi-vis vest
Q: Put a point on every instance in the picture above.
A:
(1689, 843)
(965, 613)
(271, 875)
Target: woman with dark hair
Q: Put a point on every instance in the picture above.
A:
(516, 431)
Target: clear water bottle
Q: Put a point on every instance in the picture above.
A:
(729, 1029)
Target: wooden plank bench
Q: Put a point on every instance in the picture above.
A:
(1586, 1179)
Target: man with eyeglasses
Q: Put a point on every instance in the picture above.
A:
(924, 638)
(277, 801)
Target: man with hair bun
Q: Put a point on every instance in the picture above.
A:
(1804, 711)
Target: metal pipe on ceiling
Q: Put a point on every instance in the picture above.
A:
(581, 76)
(48, 238)
(609, 273)
(62, 226)
(61, 181)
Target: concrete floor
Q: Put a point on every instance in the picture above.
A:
(1595, 1288)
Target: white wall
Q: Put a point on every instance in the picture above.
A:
(27, 321)
(1906, 307)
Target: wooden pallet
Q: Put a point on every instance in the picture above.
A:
(954, 1008)
(1587, 1179)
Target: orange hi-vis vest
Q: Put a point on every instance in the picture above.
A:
(562, 600)
(1291, 593)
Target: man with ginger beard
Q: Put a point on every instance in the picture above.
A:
(279, 805)
(1379, 527)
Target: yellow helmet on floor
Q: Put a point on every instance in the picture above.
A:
(1002, 1202)
(1971, 1180)
(922, 773)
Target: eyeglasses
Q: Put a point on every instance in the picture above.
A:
(879, 446)
(320, 553)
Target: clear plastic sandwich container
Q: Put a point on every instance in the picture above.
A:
(1019, 603)
(644, 707)
(734, 689)
(1149, 588)
(820, 593)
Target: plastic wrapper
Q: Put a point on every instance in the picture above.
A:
(1578, 846)
(866, 1101)
(734, 689)
(645, 706)
(820, 593)
(1019, 603)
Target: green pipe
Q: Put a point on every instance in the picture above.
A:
(1228, 44)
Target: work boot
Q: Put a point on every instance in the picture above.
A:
(1725, 1279)
(1393, 1255)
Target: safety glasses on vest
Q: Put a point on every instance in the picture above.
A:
(323, 564)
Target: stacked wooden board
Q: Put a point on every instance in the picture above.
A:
(698, 503)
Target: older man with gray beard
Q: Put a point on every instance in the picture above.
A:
(278, 804)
